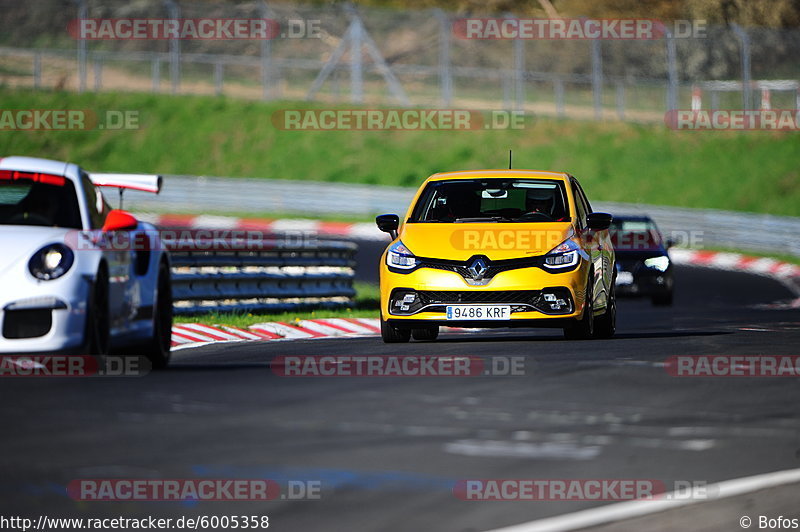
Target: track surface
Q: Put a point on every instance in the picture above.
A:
(389, 450)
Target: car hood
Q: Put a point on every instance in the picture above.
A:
(19, 242)
(498, 241)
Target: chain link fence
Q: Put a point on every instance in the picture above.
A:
(375, 56)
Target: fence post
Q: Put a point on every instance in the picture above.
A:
(37, 70)
(558, 85)
(174, 13)
(97, 66)
(83, 11)
(218, 78)
(445, 74)
(155, 72)
(356, 68)
(621, 100)
(519, 71)
(672, 71)
(744, 41)
(266, 56)
(597, 79)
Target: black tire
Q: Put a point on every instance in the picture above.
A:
(98, 318)
(583, 329)
(606, 325)
(157, 349)
(427, 334)
(663, 300)
(392, 335)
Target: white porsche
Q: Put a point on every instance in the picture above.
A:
(77, 277)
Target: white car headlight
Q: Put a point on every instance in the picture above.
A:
(659, 263)
(564, 255)
(51, 262)
(399, 256)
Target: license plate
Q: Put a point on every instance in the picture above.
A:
(624, 278)
(478, 312)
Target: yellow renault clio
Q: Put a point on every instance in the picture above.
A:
(498, 248)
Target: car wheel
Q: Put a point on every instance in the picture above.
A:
(98, 319)
(663, 300)
(606, 325)
(427, 334)
(393, 335)
(158, 348)
(584, 328)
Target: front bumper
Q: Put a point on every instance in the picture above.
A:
(24, 327)
(646, 283)
(523, 289)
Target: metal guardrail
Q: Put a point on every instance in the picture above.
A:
(272, 274)
(705, 227)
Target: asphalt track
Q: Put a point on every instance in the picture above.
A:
(389, 450)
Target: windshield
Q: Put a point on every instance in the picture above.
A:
(634, 235)
(492, 200)
(27, 202)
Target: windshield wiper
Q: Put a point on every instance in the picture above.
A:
(482, 219)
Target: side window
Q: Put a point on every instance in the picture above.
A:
(585, 199)
(95, 203)
(580, 205)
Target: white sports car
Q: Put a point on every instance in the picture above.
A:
(75, 276)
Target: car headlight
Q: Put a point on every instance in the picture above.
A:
(564, 255)
(658, 263)
(399, 256)
(51, 262)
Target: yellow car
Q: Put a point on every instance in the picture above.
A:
(498, 248)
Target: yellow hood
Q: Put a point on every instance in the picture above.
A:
(460, 241)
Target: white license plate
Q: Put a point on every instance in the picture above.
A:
(624, 278)
(478, 312)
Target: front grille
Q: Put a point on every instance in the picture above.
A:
(31, 323)
(489, 296)
(493, 267)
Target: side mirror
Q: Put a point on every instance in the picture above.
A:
(597, 221)
(388, 223)
(669, 243)
(118, 220)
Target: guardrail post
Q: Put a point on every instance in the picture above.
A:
(558, 86)
(620, 100)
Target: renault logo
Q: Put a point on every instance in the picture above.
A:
(477, 269)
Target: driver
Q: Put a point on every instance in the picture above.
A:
(537, 203)
(41, 207)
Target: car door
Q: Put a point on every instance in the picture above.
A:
(597, 246)
(118, 252)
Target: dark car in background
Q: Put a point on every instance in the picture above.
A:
(643, 264)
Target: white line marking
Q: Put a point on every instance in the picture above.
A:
(627, 510)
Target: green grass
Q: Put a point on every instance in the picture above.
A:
(367, 303)
(205, 135)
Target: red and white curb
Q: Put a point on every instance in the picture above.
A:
(360, 231)
(195, 334)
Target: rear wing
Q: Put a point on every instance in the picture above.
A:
(145, 182)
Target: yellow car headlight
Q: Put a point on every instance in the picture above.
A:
(400, 257)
